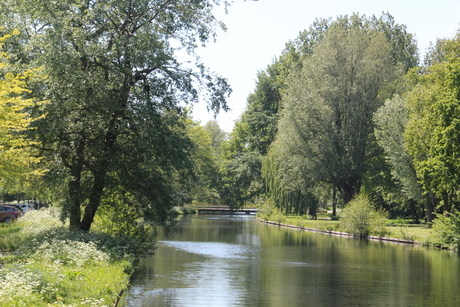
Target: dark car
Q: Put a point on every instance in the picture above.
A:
(16, 206)
(8, 214)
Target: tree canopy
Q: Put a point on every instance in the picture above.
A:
(17, 155)
(326, 123)
(259, 124)
(433, 130)
(116, 91)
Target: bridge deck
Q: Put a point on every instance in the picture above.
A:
(226, 210)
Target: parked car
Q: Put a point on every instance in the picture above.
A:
(17, 206)
(8, 214)
(25, 207)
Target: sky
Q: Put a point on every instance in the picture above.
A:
(257, 32)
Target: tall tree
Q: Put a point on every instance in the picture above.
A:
(257, 127)
(218, 136)
(391, 121)
(116, 90)
(328, 109)
(17, 155)
(252, 135)
(204, 183)
(433, 130)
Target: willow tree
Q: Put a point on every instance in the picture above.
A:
(329, 104)
(391, 121)
(250, 138)
(116, 90)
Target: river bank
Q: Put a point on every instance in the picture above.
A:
(339, 233)
(45, 264)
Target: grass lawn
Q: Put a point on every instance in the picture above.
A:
(417, 233)
(396, 228)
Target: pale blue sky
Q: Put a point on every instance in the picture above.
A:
(258, 30)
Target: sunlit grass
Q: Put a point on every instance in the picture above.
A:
(8, 236)
(412, 232)
(418, 233)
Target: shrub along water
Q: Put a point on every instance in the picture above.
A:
(361, 219)
(52, 266)
(446, 231)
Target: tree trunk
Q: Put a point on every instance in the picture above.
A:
(349, 190)
(76, 169)
(413, 210)
(311, 202)
(94, 201)
(334, 200)
(100, 174)
(430, 204)
(74, 202)
(312, 210)
(447, 201)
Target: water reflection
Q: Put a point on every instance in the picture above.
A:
(213, 249)
(236, 261)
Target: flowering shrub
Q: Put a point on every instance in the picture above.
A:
(74, 253)
(57, 267)
(27, 283)
(37, 221)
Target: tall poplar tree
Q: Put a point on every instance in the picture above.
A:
(328, 109)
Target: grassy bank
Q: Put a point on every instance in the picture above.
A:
(45, 264)
(398, 229)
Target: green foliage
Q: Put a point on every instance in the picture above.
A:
(121, 216)
(391, 120)
(433, 129)
(287, 185)
(446, 231)
(53, 266)
(324, 137)
(361, 219)
(116, 93)
(185, 209)
(8, 235)
(268, 211)
(18, 158)
(403, 44)
(252, 135)
(405, 235)
(204, 183)
(218, 136)
(326, 123)
(241, 179)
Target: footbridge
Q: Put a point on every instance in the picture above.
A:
(225, 210)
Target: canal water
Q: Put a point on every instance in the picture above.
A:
(234, 260)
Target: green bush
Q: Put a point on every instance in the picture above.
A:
(446, 231)
(361, 219)
(185, 209)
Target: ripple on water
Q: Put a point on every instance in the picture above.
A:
(299, 264)
(213, 249)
